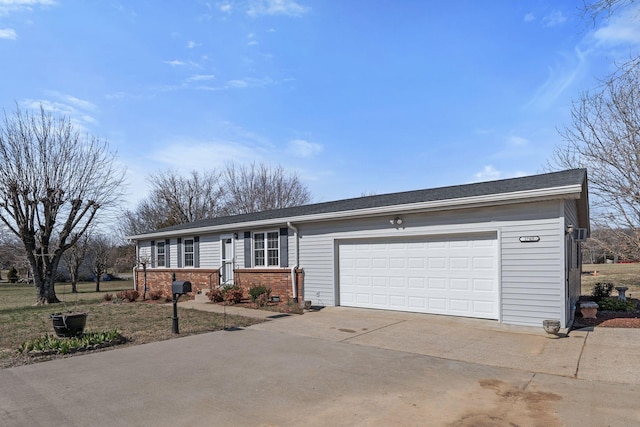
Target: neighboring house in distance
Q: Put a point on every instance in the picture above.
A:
(507, 250)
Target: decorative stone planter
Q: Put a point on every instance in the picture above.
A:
(69, 324)
(589, 309)
(551, 327)
(621, 292)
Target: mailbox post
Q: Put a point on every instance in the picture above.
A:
(178, 288)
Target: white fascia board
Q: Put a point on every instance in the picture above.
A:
(564, 192)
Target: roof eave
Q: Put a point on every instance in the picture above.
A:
(566, 192)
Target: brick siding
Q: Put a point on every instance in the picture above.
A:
(279, 280)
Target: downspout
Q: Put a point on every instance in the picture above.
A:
(294, 289)
(135, 270)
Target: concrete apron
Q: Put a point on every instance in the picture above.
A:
(604, 354)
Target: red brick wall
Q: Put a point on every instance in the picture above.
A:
(279, 280)
(161, 278)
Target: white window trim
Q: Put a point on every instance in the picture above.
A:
(164, 254)
(266, 249)
(184, 252)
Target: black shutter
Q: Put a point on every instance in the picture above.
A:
(179, 246)
(196, 252)
(153, 253)
(284, 247)
(247, 249)
(167, 253)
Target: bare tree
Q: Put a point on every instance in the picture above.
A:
(101, 251)
(74, 258)
(259, 187)
(604, 137)
(52, 185)
(175, 199)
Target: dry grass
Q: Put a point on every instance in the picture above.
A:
(140, 322)
(619, 274)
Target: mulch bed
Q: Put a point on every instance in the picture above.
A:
(609, 319)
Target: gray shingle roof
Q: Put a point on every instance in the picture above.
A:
(527, 183)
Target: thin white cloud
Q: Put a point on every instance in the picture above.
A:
(251, 37)
(201, 77)
(10, 6)
(8, 34)
(518, 141)
(224, 7)
(276, 7)
(187, 155)
(305, 149)
(622, 28)
(529, 17)
(559, 80)
(553, 19)
(78, 111)
(175, 63)
(488, 173)
(191, 44)
(238, 84)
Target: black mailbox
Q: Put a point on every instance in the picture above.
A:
(180, 287)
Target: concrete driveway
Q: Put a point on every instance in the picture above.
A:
(338, 367)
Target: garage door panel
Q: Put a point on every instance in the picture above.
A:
(437, 282)
(379, 281)
(455, 276)
(483, 285)
(460, 284)
(459, 263)
(436, 263)
(417, 302)
(459, 305)
(416, 283)
(483, 263)
(397, 301)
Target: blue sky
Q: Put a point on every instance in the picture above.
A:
(355, 96)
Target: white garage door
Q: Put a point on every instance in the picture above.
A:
(456, 275)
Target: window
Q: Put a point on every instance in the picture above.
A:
(266, 249)
(160, 254)
(188, 253)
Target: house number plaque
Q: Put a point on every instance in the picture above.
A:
(529, 239)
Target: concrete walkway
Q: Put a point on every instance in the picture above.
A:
(340, 367)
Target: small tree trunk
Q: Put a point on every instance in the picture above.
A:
(97, 283)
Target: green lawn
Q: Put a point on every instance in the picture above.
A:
(140, 322)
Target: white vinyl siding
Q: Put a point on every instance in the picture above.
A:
(210, 251)
(531, 278)
(144, 252)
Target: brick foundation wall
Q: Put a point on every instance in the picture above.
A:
(160, 279)
(279, 280)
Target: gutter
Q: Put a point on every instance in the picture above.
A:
(294, 289)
